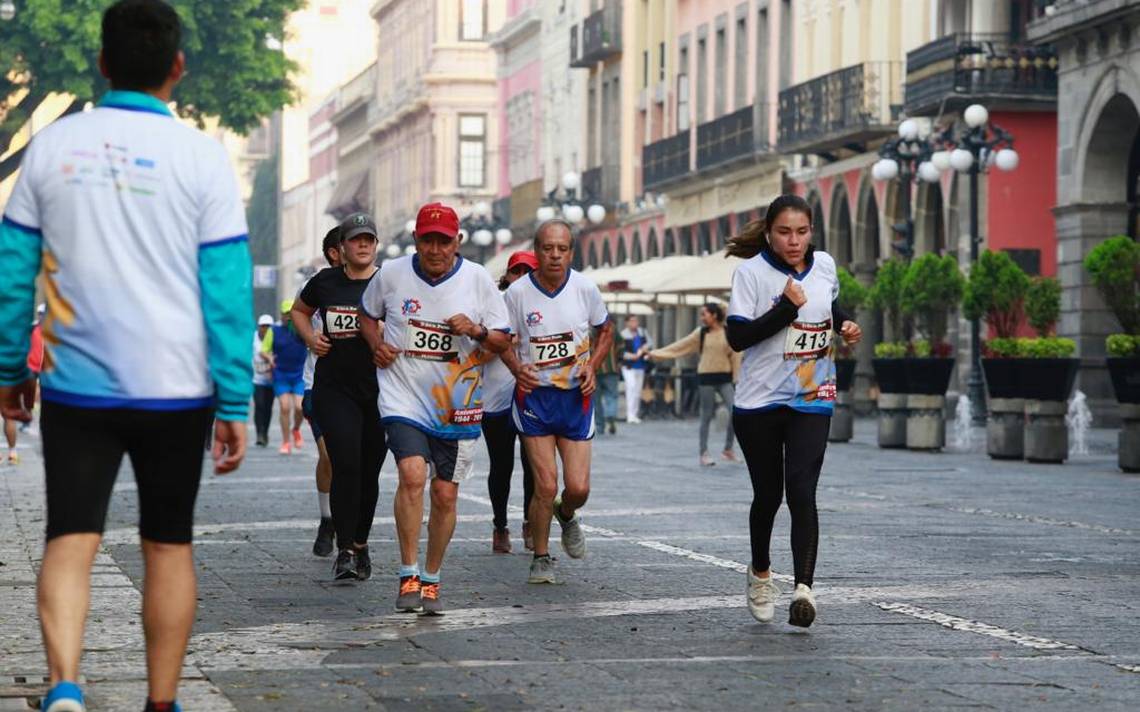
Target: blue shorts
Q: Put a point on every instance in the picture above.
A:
(307, 411)
(554, 411)
(284, 383)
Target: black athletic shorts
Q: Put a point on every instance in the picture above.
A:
(84, 447)
(448, 459)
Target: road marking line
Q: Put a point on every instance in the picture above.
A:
(963, 624)
(1016, 516)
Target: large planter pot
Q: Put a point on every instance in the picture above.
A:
(843, 417)
(928, 376)
(1046, 433)
(927, 380)
(1048, 379)
(1125, 375)
(890, 374)
(1128, 441)
(844, 374)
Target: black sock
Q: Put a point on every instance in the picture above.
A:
(152, 706)
(541, 556)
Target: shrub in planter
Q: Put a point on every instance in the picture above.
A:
(886, 295)
(1043, 304)
(931, 288)
(1122, 345)
(852, 296)
(995, 291)
(1115, 268)
(1124, 366)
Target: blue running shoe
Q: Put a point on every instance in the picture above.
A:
(64, 697)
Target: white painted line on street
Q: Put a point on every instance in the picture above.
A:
(1128, 668)
(1039, 520)
(963, 624)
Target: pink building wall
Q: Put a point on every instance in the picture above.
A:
(527, 78)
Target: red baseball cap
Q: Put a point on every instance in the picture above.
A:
(522, 257)
(437, 217)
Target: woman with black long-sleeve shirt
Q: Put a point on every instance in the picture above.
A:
(782, 316)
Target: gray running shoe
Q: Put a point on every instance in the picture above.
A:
(432, 606)
(541, 570)
(573, 538)
(408, 600)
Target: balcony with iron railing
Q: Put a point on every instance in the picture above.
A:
(600, 37)
(733, 138)
(666, 161)
(602, 184)
(964, 68)
(842, 109)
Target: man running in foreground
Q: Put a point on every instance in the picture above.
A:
(141, 353)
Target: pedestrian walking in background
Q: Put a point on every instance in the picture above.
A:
(262, 382)
(147, 336)
(781, 315)
(636, 344)
(716, 373)
(609, 375)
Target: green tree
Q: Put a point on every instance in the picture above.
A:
(852, 294)
(1115, 268)
(1043, 304)
(53, 46)
(996, 292)
(931, 288)
(886, 294)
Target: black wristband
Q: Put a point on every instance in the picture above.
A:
(483, 336)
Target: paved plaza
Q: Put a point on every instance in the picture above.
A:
(944, 581)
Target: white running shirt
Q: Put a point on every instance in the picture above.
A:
(498, 386)
(554, 328)
(794, 368)
(435, 383)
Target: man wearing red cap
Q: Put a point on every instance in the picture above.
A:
(443, 319)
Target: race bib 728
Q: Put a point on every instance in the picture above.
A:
(552, 350)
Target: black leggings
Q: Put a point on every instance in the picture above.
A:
(350, 423)
(499, 432)
(784, 449)
(262, 411)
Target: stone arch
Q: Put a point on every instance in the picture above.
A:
(840, 225)
(818, 224)
(866, 249)
(607, 256)
(685, 240)
(670, 247)
(652, 250)
(1105, 132)
(592, 255)
(929, 222)
(704, 239)
(635, 248)
(622, 256)
(723, 232)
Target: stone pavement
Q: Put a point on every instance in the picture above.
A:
(944, 581)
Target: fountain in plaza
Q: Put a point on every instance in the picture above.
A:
(1079, 420)
(963, 425)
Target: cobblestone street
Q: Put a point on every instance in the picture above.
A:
(944, 581)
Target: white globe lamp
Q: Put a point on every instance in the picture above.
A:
(410, 227)
(888, 169)
(976, 115)
(503, 236)
(941, 160)
(483, 237)
(571, 180)
(928, 172)
(392, 251)
(573, 213)
(482, 208)
(410, 250)
(908, 130)
(596, 213)
(961, 160)
(1007, 159)
(544, 213)
(7, 10)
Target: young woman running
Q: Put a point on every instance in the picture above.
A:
(345, 392)
(716, 372)
(781, 315)
(499, 429)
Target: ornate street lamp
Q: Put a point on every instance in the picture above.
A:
(7, 10)
(568, 206)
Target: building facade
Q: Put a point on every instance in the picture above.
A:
(1097, 163)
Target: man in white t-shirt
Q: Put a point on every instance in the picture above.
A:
(443, 319)
(564, 332)
(138, 224)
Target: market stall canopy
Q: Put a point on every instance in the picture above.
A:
(712, 275)
(647, 276)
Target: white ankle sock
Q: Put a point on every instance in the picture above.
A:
(326, 508)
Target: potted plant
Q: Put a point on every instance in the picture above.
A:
(1115, 268)
(1046, 381)
(852, 296)
(931, 288)
(995, 291)
(889, 363)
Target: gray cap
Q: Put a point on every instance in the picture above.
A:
(357, 224)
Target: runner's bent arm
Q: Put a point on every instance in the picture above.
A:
(302, 316)
(604, 336)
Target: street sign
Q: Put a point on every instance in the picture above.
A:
(264, 276)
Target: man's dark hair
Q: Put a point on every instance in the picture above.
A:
(331, 242)
(140, 43)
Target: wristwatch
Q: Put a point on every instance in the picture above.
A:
(483, 334)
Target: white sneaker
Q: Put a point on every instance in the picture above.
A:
(761, 595)
(802, 611)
